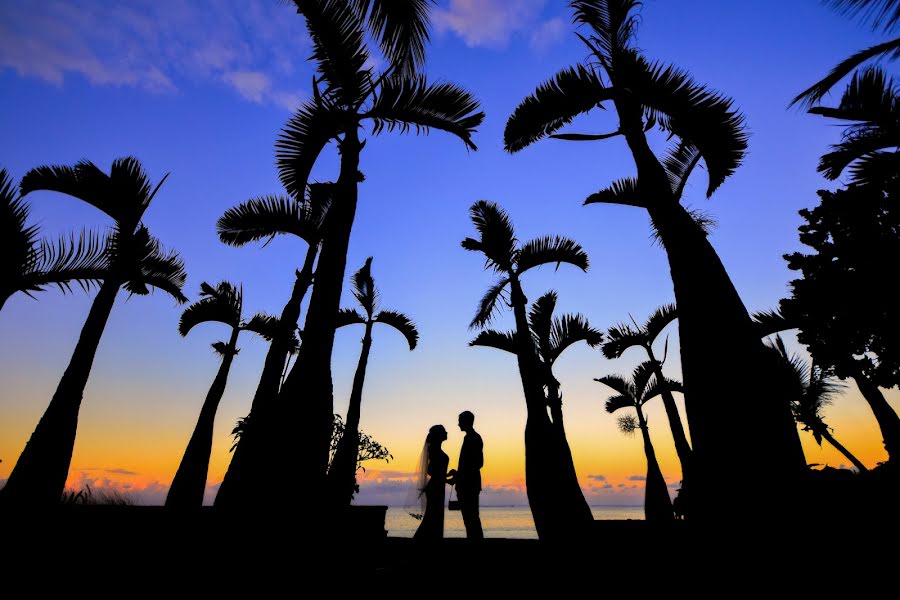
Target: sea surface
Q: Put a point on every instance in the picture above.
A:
(498, 522)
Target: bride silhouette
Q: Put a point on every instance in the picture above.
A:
(433, 467)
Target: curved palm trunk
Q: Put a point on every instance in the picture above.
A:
(342, 473)
(884, 414)
(718, 347)
(39, 477)
(298, 437)
(682, 447)
(840, 448)
(189, 483)
(568, 486)
(237, 478)
(657, 503)
(556, 500)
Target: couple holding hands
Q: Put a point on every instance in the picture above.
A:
(433, 475)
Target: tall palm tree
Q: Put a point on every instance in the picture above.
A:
(29, 264)
(622, 337)
(550, 337)
(644, 385)
(135, 261)
(812, 391)
(701, 125)
(264, 218)
(220, 304)
(348, 93)
(882, 14)
(557, 502)
(342, 472)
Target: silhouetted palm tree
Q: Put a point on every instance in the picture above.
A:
(342, 472)
(811, 391)
(551, 336)
(264, 218)
(220, 304)
(135, 261)
(29, 264)
(718, 341)
(347, 93)
(622, 337)
(556, 500)
(643, 386)
(882, 14)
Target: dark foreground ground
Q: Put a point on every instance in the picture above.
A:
(146, 551)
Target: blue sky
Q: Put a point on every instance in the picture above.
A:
(200, 90)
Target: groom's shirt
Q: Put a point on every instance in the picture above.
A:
(471, 459)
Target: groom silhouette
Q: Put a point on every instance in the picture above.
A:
(467, 476)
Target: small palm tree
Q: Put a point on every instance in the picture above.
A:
(622, 337)
(557, 502)
(342, 473)
(29, 264)
(644, 386)
(135, 261)
(882, 14)
(220, 304)
(699, 124)
(348, 93)
(812, 391)
(264, 218)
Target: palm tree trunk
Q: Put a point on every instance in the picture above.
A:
(884, 414)
(568, 486)
(39, 477)
(682, 447)
(302, 429)
(719, 346)
(840, 447)
(189, 483)
(342, 473)
(238, 483)
(657, 503)
(556, 500)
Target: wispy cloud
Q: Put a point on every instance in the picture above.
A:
(155, 45)
(597, 477)
(117, 471)
(491, 23)
(637, 478)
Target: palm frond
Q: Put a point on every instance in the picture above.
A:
(770, 322)
(221, 348)
(302, 140)
(410, 101)
(266, 217)
(551, 249)
(871, 96)
(349, 316)
(862, 143)
(571, 329)
(619, 385)
(642, 378)
(814, 94)
(540, 318)
(501, 340)
(339, 48)
(622, 191)
(221, 304)
(659, 320)
(875, 169)
(679, 163)
(882, 14)
(618, 402)
(555, 103)
(487, 306)
(401, 323)
(401, 28)
(80, 258)
(144, 262)
(498, 238)
(612, 21)
(657, 387)
(684, 108)
(620, 338)
(364, 289)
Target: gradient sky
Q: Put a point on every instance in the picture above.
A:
(201, 89)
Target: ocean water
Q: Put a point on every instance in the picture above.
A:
(498, 522)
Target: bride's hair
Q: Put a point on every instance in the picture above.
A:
(418, 501)
(433, 435)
